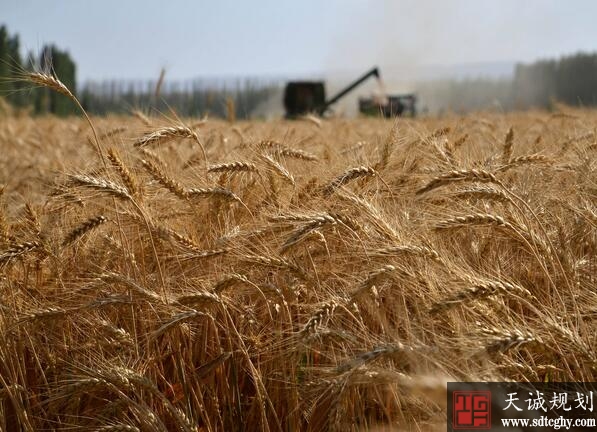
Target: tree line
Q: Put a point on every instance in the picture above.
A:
(571, 80)
(190, 98)
(193, 98)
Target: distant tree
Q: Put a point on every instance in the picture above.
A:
(60, 63)
(51, 59)
(535, 84)
(576, 79)
(571, 79)
(10, 66)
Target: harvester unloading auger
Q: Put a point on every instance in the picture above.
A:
(304, 97)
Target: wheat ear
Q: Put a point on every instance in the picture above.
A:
(52, 82)
(278, 168)
(165, 134)
(233, 167)
(161, 177)
(525, 160)
(84, 228)
(348, 176)
(481, 290)
(124, 172)
(142, 117)
(101, 185)
(508, 142)
(459, 176)
(475, 219)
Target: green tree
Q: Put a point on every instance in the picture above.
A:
(60, 63)
(571, 79)
(577, 79)
(10, 66)
(535, 84)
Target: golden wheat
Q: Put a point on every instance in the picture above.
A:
(138, 295)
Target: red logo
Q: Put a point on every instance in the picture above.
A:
(471, 410)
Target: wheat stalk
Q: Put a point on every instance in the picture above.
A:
(388, 148)
(348, 176)
(179, 319)
(165, 134)
(52, 82)
(229, 281)
(483, 192)
(379, 352)
(316, 319)
(373, 212)
(233, 167)
(278, 168)
(33, 221)
(169, 133)
(481, 290)
(508, 143)
(84, 228)
(460, 141)
(198, 298)
(101, 185)
(112, 132)
(459, 176)
(18, 250)
(300, 233)
(525, 160)
(297, 154)
(116, 427)
(123, 171)
(212, 192)
(443, 131)
(158, 175)
(423, 251)
(372, 278)
(111, 277)
(480, 219)
(142, 117)
(503, 341)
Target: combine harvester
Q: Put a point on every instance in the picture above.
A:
(306, 97)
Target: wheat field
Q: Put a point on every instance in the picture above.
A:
(162, 274)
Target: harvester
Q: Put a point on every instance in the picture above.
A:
(389, 106)
(304, 97)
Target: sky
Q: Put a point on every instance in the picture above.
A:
(134, 39)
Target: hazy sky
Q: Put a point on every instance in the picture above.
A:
(135, 38)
